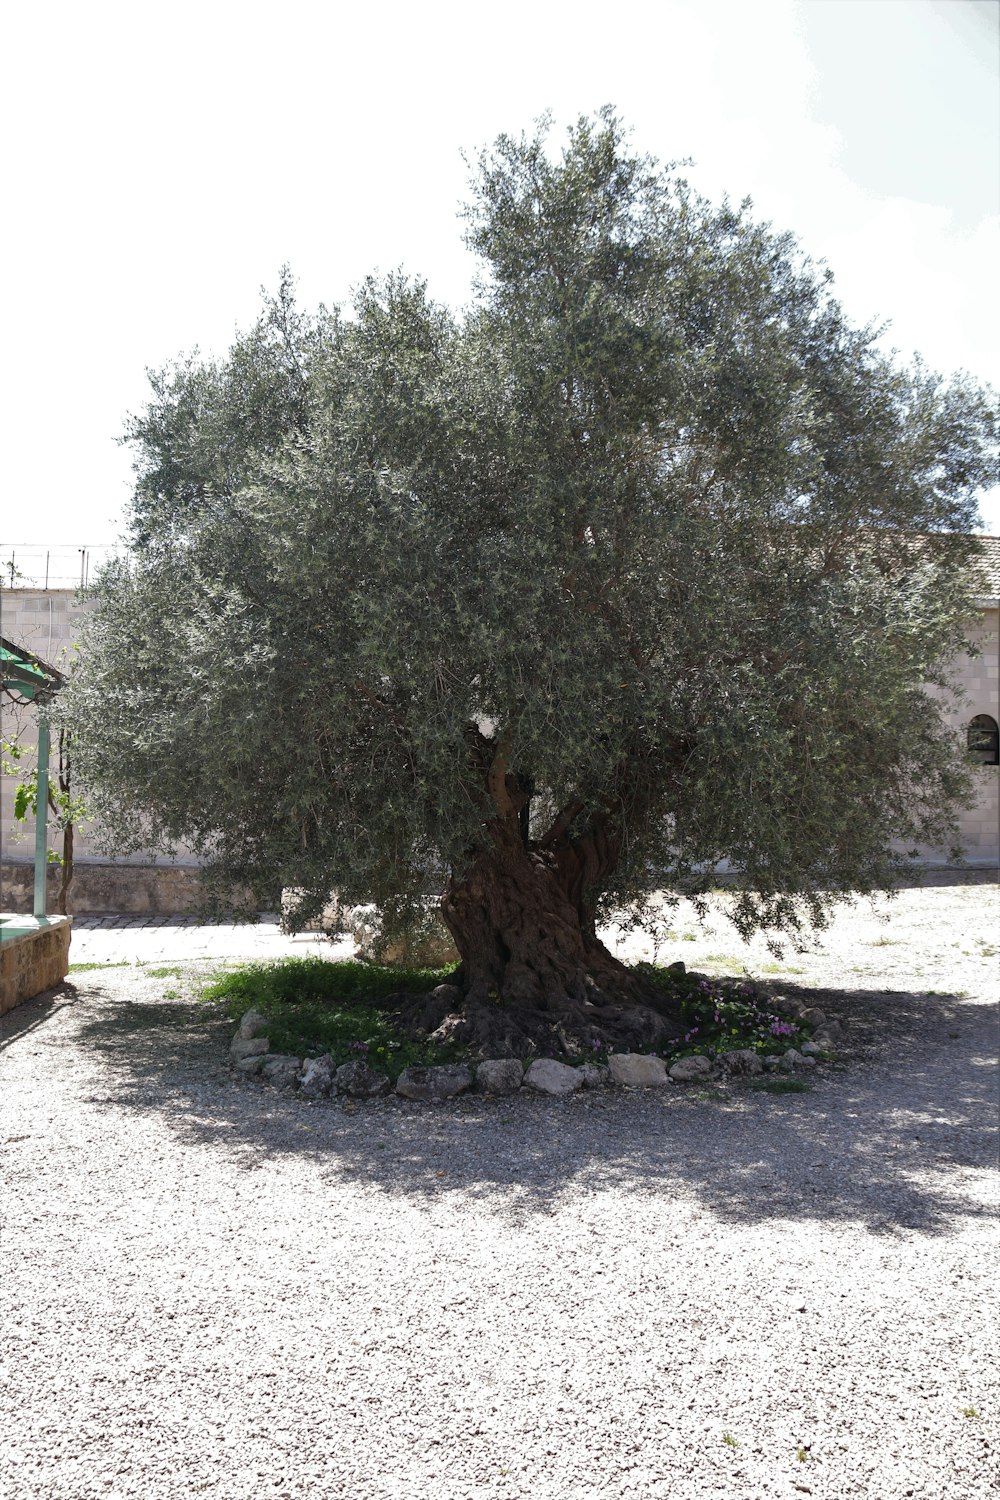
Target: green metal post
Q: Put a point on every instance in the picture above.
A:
(41, 816)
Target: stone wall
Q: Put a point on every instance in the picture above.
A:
(105, 887)
(980, 678)
(34, 956)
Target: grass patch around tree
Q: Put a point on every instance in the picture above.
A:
(90, 968)
(350, 1010)
(357, 1011)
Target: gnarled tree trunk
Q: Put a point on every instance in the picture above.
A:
(533, 969)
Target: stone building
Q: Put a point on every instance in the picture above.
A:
(46, 622)
(980, 679)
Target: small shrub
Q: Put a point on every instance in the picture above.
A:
(724, 1015)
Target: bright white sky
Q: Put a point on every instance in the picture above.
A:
(163, 161)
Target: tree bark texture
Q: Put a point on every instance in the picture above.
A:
(533, 968)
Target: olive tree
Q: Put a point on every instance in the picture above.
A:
(642, 562)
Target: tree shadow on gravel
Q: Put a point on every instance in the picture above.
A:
(890, 1135)
(32, 1014)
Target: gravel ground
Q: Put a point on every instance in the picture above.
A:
(211, 1288)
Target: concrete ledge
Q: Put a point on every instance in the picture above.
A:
(34, 956)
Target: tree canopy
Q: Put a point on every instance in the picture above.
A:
(643, 561)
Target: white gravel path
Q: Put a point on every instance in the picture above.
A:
(212, 1289)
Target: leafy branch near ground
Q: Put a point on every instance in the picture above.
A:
(352, 1010)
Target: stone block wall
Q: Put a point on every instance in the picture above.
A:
(105, 886)
(35, 957)
(979, 678)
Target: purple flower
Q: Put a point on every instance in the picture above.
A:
(782, 1028)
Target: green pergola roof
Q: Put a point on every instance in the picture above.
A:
(27, 675)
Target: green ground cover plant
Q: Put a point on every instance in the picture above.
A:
(355, 1010)
(723, 1015)
(349, 1010)
(88, 968)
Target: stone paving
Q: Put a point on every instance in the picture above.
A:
(122, 938)
(879, 945)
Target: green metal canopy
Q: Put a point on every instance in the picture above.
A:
(24, 675)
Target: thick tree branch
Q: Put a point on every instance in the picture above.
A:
(496, 781)
(561, 823)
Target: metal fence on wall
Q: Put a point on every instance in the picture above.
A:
(35, 565)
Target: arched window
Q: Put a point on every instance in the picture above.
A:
(982, 739)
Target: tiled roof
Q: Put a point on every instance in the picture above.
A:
(988, 566)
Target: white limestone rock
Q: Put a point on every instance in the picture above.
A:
(637, 1070)
(500, 1075)
(317, 1077)
(441, 1082)
(691, 1069)
(551, 1077)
